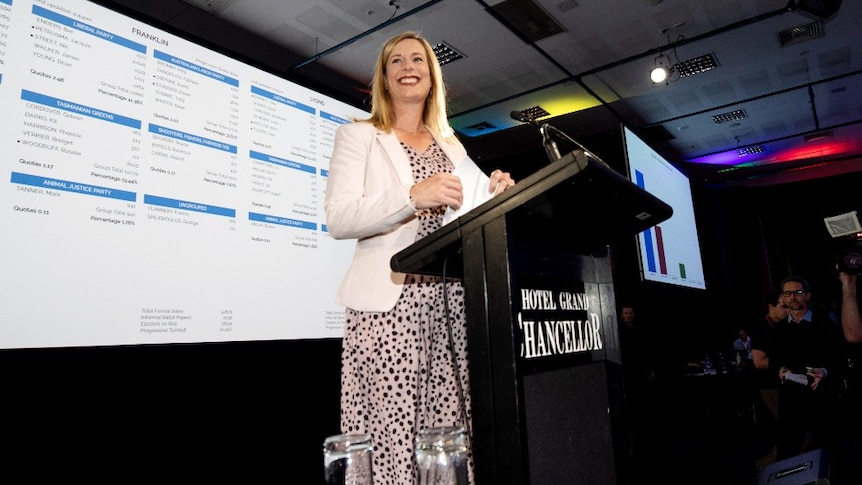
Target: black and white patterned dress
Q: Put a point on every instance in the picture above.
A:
(397, 368)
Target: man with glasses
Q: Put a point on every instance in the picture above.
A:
(767, 381)
(807, 355)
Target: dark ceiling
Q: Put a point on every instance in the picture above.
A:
(786, 86)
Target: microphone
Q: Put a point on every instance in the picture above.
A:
(546, 139)
(520, 116)
(550, 145)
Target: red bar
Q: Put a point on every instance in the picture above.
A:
(662, 263)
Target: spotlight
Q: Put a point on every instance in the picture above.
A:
(659, 75)
(662, 70)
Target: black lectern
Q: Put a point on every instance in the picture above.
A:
(544, 356)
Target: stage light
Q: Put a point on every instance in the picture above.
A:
(662, 70)
(668, 68)
(659, 75)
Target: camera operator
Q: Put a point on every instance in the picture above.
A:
(850, 320)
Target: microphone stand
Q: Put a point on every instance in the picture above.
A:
(551, 149)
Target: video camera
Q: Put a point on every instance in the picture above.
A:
(847, 233)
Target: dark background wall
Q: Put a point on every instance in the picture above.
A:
(258, 411)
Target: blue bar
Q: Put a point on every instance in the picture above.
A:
(324, 172)
(281, 99)
(67, 186)
(7, 2)
(648, 237)
(332, 117)
(263, 157)
(195, 68)
(282, 221)
(649, 250)
(89, 29)
(188, 206)
(79, 109)
(199, 140)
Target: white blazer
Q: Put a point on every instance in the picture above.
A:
(368, 199)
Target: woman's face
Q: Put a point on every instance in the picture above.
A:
(408, 75)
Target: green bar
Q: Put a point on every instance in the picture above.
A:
(682, 270)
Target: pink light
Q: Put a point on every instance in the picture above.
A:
(815, 150)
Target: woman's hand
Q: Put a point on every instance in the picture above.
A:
(442, 189)
(500, 182)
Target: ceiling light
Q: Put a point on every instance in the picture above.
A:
(446, 54)
(659, 74)
(662, 70)
(749, 150)
(695, 65)
(535, 112)
(735, 115)
(667, 62)
(663, 66)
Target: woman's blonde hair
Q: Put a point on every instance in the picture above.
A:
(382, 114)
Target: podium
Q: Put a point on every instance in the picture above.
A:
(541, 319)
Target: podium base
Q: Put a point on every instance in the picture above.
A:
(570, 432)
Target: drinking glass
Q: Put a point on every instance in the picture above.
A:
(441, 456)
(347, 459)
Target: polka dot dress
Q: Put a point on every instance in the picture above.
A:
(397, 366)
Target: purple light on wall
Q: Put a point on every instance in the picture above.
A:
(723, 158)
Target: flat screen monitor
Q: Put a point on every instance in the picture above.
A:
(668, 252)
(155, 191)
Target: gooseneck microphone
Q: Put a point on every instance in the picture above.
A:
(550, 145)
(570, 139)
(551, 149)
(521, 116)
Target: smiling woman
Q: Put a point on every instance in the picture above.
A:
(404, 356)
